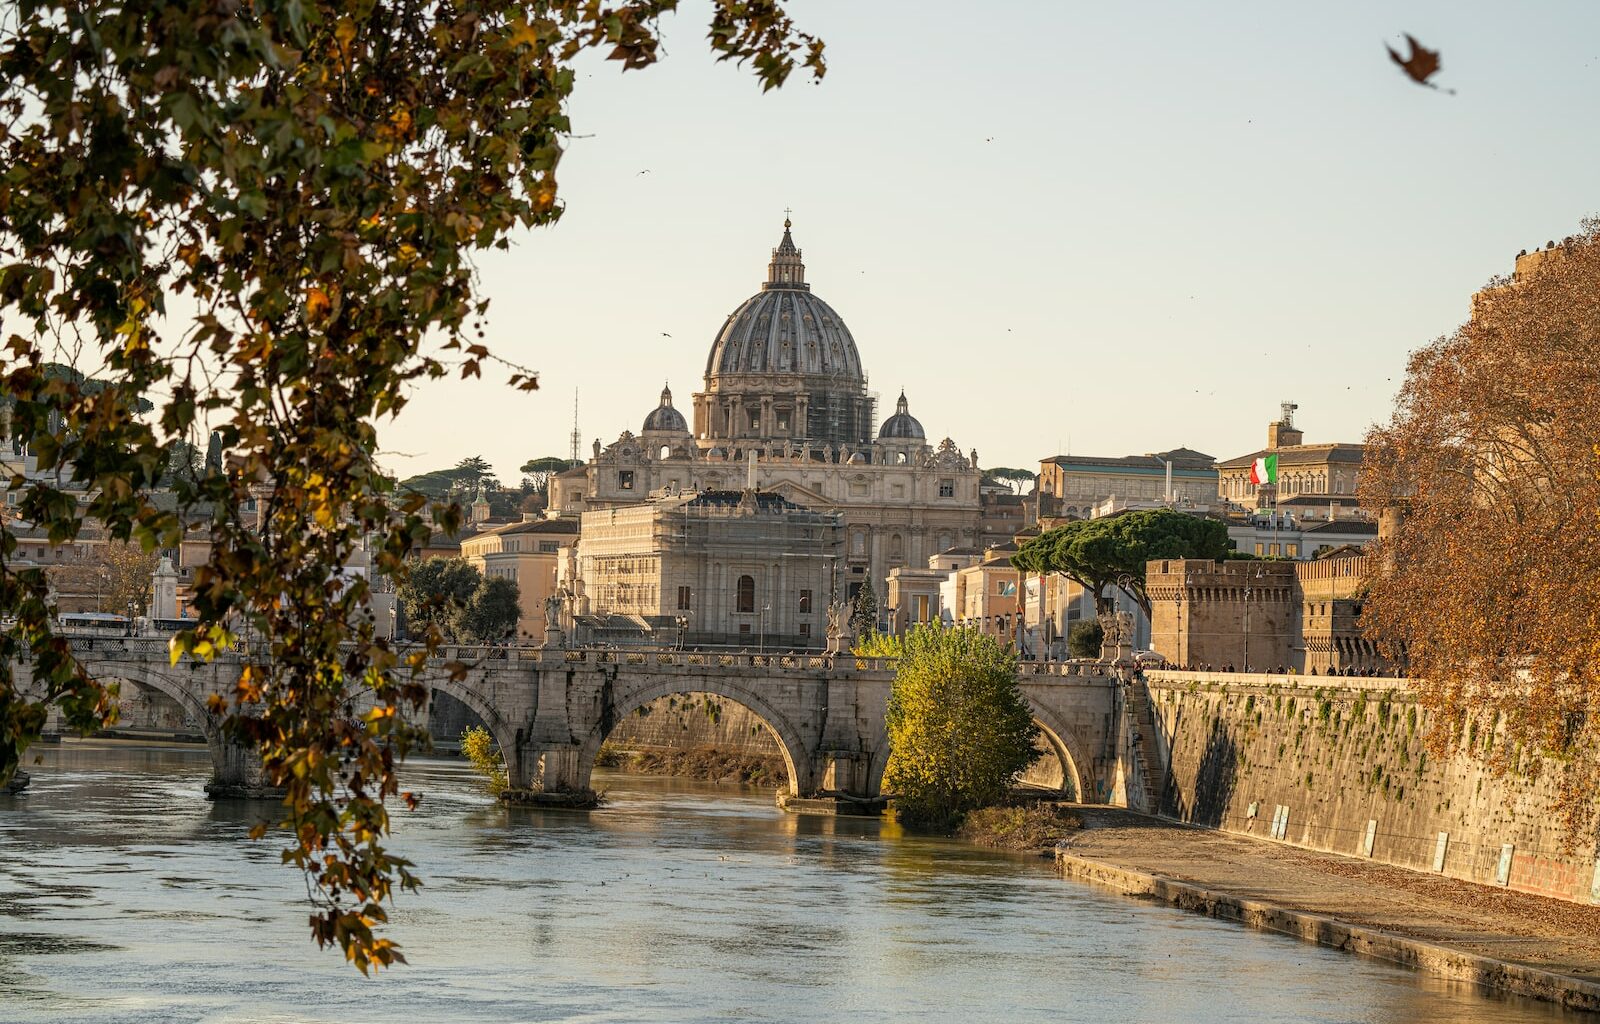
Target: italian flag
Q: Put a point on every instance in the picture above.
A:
(1264, 470)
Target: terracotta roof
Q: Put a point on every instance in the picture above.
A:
(1301, 455)
(1184, 460)
(537, 526)
(1353, 527)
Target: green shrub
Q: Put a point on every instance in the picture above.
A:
(960, 730)
(478, 747)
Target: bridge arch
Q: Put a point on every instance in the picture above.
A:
(1063, 741)
(180, 693)
(1068, 747)
(506, 736)
(797, 760)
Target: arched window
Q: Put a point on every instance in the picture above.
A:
(746, 591)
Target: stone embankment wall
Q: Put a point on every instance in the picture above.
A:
(690, 721)
(1341, 764)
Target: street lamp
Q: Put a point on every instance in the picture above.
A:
(682, 623)
(761, 644)
(1259, 575)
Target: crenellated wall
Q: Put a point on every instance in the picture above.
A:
(1335, 759)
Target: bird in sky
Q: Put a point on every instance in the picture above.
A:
(642, 173)
(664, 334)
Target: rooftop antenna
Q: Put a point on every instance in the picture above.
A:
(576, 437)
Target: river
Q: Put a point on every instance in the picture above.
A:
(126, 896)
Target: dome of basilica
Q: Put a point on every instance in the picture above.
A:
(902, 425)
(664, 419)
(784, 329)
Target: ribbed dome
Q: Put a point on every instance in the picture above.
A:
(784, 329)
(902, 425)
(664, 418)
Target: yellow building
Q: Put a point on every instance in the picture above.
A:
(527, 553)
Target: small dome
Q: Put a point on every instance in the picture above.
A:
(664, 418)
(858, 459)
(902, 425)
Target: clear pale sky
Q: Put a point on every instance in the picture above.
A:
(1120, 227)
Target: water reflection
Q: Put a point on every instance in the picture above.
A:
(126, 896)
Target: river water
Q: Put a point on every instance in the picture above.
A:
(126, 896)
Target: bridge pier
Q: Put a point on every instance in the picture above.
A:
(236, 772)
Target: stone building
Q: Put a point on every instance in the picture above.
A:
(527, 553)
(738, 568)
(1262, 616)
(1324, 473)
(785, 410)
(1220, 614)
(1070, 486)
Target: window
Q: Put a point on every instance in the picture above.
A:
(548, 546)
(625, 479)
(805, 601)
(947, 488)
(921, 612)
(1260, 549)
(1273, 550)
(805, 629)
(746, 594)
(685, 594)
(744, 629)
(1006, 588)
(1294, 551)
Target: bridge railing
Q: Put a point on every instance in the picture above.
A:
(799, 662)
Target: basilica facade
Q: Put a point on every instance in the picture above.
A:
(785, 410)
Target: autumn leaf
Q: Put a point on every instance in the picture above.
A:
(1421, 65)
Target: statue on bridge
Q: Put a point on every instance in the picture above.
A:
(552, 620)
(839, 633)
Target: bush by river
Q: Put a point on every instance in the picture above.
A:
(1031, 828)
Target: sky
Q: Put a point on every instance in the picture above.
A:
(1103, 229)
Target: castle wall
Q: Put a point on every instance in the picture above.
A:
(1345, 761)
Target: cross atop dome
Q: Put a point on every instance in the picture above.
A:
(786, 269)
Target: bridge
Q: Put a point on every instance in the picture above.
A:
(549, 709)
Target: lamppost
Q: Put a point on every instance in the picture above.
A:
(682, 622)
(761, 644)
(1111, 628)
(1259, 575)
(894, 620)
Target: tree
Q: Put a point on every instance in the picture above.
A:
(478, 747)
(434, 593)
(1490, 585)
(536, 473)
(313, 179)
(864, 611)
(1016, 479)
(183, 462)
(462, 478)
(960, 730)
(117, 573)
(1085, 639)
(491, 612)
(1098, 554)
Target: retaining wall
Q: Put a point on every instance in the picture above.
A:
(1341, 764)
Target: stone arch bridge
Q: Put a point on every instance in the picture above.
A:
(549, 710)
